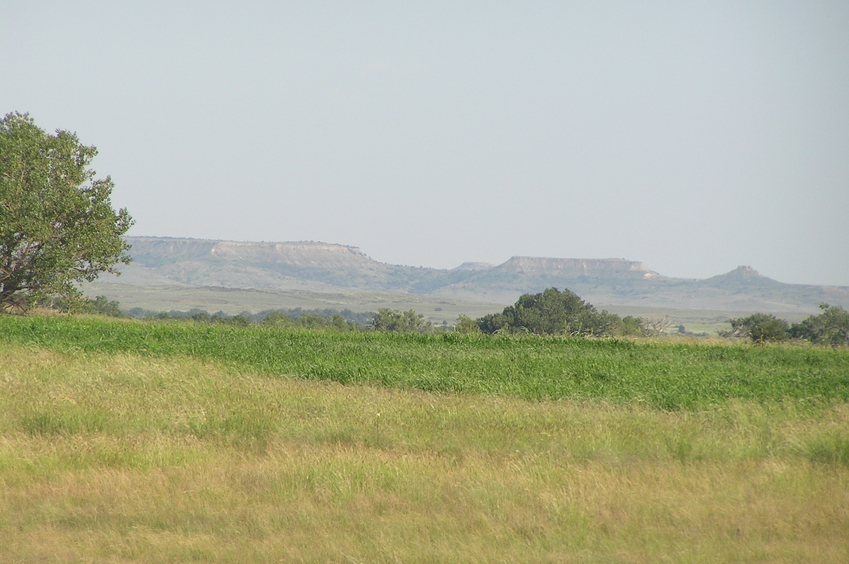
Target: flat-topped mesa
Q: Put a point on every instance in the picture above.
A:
(575, 268)
(301, 253)
(324, 267)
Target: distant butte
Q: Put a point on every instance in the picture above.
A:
(325, 267)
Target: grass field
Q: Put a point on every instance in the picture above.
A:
(125, 441)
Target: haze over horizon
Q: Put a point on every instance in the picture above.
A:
(464, 263)
(693, 138)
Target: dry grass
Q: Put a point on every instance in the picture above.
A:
(128, 459)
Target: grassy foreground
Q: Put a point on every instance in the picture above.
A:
(116, 455)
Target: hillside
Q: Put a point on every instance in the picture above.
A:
(279, 266)
(322, 267)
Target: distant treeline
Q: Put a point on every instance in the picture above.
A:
(311, 318)
(101, 305)
(831, 327)
(552, 312)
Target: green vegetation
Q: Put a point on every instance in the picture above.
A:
(100, 305)
(345, 319)
(674, 375)
(831, 327)
(436, 309)
(131, 441)
(400, 321)
(328, 319)
(549, 313)
(557, 313)
(57, 225)
(760, 328)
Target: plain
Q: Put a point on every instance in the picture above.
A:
(127, 441)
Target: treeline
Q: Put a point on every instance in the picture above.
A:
(340, 319)
(343, 320)
(552, 312)
(101, 305)
(831, 327)
(347, 320)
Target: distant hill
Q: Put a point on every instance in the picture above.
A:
(322, 267)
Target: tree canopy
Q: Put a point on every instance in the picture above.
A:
(553, 312)
(400, 321)
(831, 327)
(57, 224)
(760, 328)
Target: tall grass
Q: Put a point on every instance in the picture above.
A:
(124, 457)
(655, 374)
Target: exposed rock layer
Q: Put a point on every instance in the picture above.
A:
(332, 268)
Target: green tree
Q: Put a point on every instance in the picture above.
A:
(632, 326)
(338, 322)
(57, 225)
(551, 312)
(598, 323)
(466, 325)
(277, 318)
(201, 317)
(831, 327)
(494, 323)
(400, 321)
(760, 328)
(104, 306)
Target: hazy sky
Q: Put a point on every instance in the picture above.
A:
(691, 136)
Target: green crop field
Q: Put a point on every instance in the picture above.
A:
(656, 374)
(132, 441)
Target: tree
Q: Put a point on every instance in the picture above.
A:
(760, 328)
(57, 225)
(402, 322)
(632, 326)
(551, 312)
(831, 327)
(494, 323)
(104, 306)
(466, 325)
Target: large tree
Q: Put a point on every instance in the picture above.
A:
(760, 328)
(551, 312)
(57, 224)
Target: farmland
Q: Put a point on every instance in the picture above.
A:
(131, 441)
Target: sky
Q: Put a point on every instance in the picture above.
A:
(691, 136)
